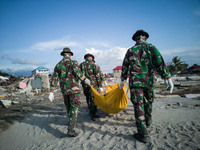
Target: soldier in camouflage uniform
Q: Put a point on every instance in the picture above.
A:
(68, 73)
(92, 73)
(140, 62)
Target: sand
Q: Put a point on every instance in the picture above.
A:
(176, 125)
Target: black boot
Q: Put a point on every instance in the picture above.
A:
(141, 138)
(94, 117)
(72, 133)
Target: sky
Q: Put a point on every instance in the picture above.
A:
(34, 32)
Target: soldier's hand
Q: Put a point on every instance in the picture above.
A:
(121, 85)
(101, 91)
(87, 81)
(170, 84)
(167, 85)
(104, 83)
(51, 96)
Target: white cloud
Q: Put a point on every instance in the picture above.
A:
(109, 59)
(190, 55)
(113, 57)
(53, 45)
(183, 51)
(22, 61)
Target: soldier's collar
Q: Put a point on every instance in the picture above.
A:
(88, 60)
(67, 57)
(141, 42)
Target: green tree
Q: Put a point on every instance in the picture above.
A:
(177, 66)
(3, 74)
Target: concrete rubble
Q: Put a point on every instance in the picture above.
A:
(23, 90)
(29, 89)
(5, 103)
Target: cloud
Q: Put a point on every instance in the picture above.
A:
(18, 72)
(113, 57)
(190, 55)
(54, 45)
(22, 61)
(4, 57)
(189, 51)
(109, 59)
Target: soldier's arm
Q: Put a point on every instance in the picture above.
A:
(159, 63)
(101, 74)
(77, 71)
(84, 70)
(55, 77)
(125, 66)
(98, 75)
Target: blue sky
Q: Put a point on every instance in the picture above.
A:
(34, 32)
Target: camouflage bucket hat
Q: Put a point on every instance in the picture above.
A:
(66, 50)
(138, 33)
(88, 55)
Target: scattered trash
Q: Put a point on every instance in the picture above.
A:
(23, 84)
(5, 103)
(192, 95)
(3, 79)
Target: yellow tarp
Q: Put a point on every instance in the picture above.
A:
(114, 100)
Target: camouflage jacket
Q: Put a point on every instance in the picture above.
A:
(91, 72)
(141, 61)
(101, 73)
(68, 73)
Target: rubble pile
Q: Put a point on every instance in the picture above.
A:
(21, 91)
(183, 86)
(25, 95)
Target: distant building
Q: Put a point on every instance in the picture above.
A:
(117, 72)
(40, 70)
(195, 69)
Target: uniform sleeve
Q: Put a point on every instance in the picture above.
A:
(125, 66)
(55, 77)
(159, 63)
(97, 72)
(77, 70)
(101, 74)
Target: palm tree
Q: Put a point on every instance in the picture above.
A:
(177, 65)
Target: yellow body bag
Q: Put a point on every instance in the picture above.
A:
(113, 101)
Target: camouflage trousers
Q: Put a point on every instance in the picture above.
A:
(72, 104)
(89, 98)
(142, 99)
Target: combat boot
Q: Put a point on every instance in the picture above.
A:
(142, 138)
(72, 133)
(94, 117)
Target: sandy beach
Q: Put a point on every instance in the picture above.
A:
(176, 125)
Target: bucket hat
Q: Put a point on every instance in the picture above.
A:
(66, 50)
(138, 33)
(88, 55)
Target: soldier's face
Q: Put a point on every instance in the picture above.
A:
(90, 58)
(68, 54)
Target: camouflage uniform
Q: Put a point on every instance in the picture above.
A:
(92, 73)
(101, 74)
(68, 73)
(140, 62)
